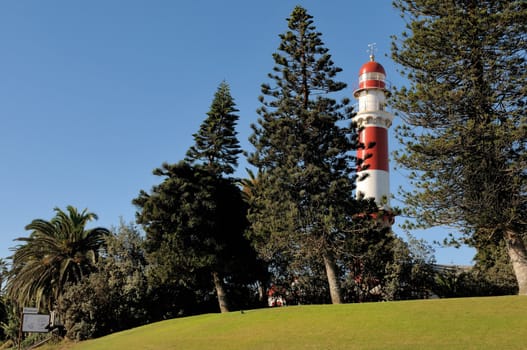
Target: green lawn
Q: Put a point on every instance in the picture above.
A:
(469, 323)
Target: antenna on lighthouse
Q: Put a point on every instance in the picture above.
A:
(372, 48)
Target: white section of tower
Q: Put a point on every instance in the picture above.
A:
(376, 185)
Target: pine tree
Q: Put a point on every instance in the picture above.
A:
(196, 218)
(300, 201)
(217, 146)
(466, 112)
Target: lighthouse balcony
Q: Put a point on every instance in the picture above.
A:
(363, 85)
(373, 117)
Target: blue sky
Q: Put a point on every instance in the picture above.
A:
(96, 94)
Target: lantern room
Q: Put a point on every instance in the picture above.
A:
(371, 76)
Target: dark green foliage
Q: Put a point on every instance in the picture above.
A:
(3, 301)
(493, 269)
(454, 283)
(85, 308)
(410, 274)
(301, 200)
(177, 237)
(9, 324)
(116, 296)
(466, 118)
(57, 252)
(216, 144)
(305, 282)
(194, 223)
(468, 95)
(366, 257)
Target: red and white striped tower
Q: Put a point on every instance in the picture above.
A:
(373, 121)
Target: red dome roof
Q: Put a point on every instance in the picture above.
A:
(371, 67)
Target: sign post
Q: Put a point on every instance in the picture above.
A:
(32, 322)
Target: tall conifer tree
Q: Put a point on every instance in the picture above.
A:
(466, 113)
(301, 197)
(196, 218)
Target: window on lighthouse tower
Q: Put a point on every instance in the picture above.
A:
(371, 76)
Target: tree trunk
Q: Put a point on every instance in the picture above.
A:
(261, 292)
(331, 273)
(518, 256)
(220, 292)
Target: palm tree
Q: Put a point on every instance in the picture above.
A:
(57, 252)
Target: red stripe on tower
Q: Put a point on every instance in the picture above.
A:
(376, 157)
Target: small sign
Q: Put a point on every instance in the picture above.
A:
(30, 310)
(35, 323)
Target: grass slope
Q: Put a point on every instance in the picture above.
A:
(469, 323)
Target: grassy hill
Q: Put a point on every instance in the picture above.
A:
(469, 323)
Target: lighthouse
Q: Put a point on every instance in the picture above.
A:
(373, 122)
